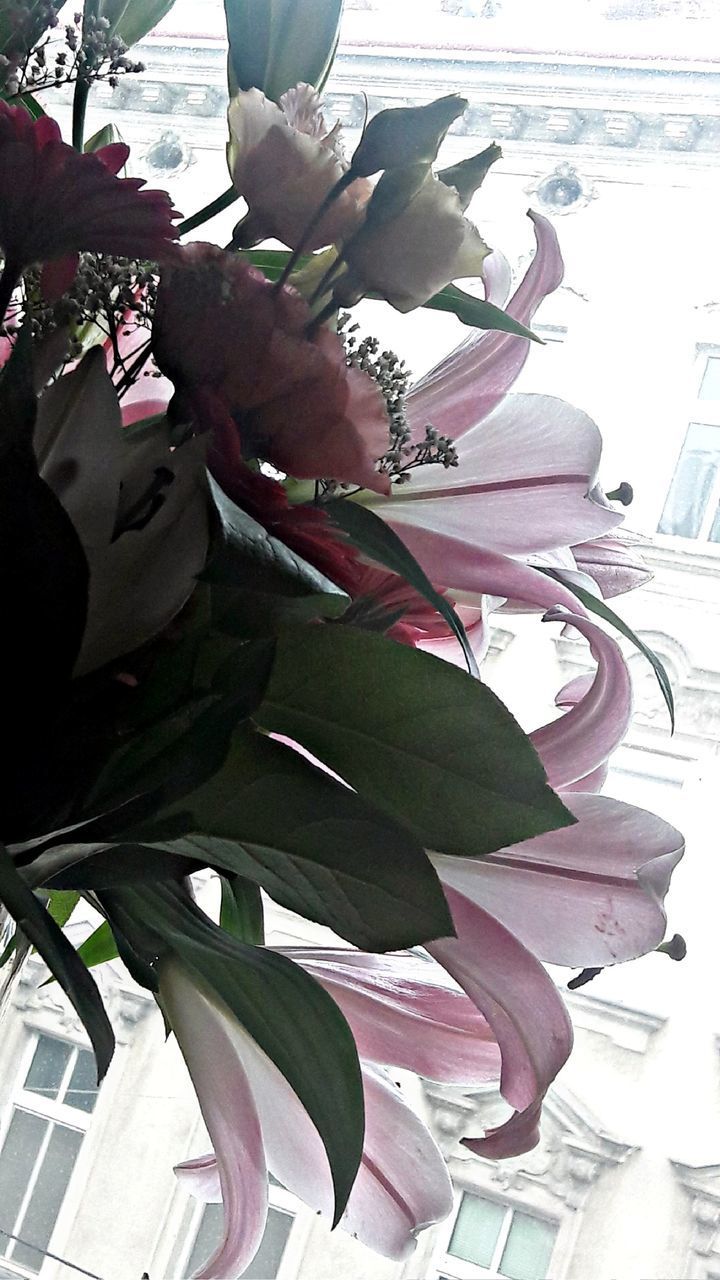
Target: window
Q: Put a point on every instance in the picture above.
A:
(494, 1239)
(41, 1142)
(692, 509)
(266, 1263)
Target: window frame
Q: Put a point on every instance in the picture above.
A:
(279, 1199)
(449, 1267)
(54, 1113)
(702, 413)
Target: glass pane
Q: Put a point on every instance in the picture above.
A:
(529, 1248)
(48, 1066)
(208, 1237)
(17, 1160)
(710, 385)
(476, 1231)
(82, 1090)
(693, 483)
(266, 1262)
(41, 1214)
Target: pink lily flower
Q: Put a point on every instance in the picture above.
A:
(403, 1012)
(526, 482)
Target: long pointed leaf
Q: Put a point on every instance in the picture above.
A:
(60, 957)
(373, 536)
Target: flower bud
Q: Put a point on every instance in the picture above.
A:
(276, 44)
(402, 136)
(467, 176)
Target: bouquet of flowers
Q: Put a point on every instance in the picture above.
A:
(237, 545)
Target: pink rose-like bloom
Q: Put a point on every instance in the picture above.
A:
(284, 161)
(56, 201)
(295, 400)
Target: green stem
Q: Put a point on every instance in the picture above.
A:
(80, 101)
(216, 206)
(342, 183)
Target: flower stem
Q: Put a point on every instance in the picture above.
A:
(215, 206)
(332, 195)
(80, 101)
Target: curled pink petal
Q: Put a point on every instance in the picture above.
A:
(474, 572)
(515, 994)
(579, 741)
(513, 1138)
(466, 386)
(403, 1012)
(201, 1178)
(614, 562)
(497, 278)
(591, 894)
(525, 482)
(207, 1039)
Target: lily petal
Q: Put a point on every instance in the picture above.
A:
(588, 895)
(579, 741)
(472, 572)
(515, 994)
(524, 482)
(402, 1184)
(226, 1101)
(462, 389)
(404, 1012)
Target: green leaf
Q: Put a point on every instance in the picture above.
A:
(99, 947)
(289, 1016)
(599, 607)
(61, 905)
(121, 864)
(246, 556)
(315, 846)
(178, 753)
(241, 909)
(417, 737)
(103, 138)
(131, 20)
(373, 536)
(61, 958)
(477, 312)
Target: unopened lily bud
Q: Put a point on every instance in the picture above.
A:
(402, 136)
(467, 176)
(275, 44)
(393, 193)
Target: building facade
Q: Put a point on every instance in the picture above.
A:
(608, 112)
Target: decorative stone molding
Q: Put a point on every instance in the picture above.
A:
(563, 191)
(702, 1184)
(573, 1152)
(45, 1004)
(627, 1028)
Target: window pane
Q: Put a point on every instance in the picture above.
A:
(48, 1193)
(710, 385)
(693, 483)
(17, 1160)
(476, 1231)
(82, 1090)
(48, 1066)
(528, 1250)
(208, 1237)
(266, 1262)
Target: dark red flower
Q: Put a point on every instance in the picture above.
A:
(232, 342)
(55, 201)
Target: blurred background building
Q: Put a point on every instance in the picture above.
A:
(608, 112)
